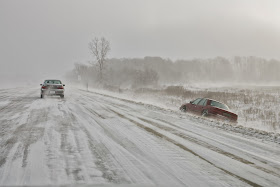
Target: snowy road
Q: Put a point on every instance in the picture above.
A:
(87, 138)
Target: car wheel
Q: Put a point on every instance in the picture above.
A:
(205, 113)
(42, 96)
(183, 109)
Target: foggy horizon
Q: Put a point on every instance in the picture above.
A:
(139, 93)
(45, 38)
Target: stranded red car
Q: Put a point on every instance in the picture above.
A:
(210, 108)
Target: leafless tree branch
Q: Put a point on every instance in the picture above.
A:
(99, 48)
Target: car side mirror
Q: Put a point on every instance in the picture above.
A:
(63, 84)
(191, 102)
(40, 84)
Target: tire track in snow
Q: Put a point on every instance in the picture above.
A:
(133, 157)
(69, 150)
(83, 143)
(273, 169)
(74, 126)
(132, 153)
(203, 143)
(170, 173)
(18, 145)
(34, 131)
(209, 146)
(10, 132)
(251, 183)
(104, 158)
(68, 147)
(230, 154)
(240, 130)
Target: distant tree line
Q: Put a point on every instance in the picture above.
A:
(152, 71)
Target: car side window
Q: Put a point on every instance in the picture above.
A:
(196, 101)
(202, 102)
(219, 105)
(205, 103)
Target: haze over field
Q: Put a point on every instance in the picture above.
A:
(150, 93)
(43, 39)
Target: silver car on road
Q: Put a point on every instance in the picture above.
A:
(52, 87)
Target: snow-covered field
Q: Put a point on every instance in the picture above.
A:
(91, 138)
(256, 106)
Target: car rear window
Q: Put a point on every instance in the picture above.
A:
(196, 101)
(53, 82)
(219, 105)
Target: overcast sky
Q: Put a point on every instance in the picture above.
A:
(47, 37)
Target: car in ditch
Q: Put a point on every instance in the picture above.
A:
(210, 108)
(52, 87)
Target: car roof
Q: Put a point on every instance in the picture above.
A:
(212, 100)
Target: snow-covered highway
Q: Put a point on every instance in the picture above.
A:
(89, 138)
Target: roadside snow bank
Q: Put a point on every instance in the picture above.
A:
(168, 104)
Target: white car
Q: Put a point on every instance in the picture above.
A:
(52, 87)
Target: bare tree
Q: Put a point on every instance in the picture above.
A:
(99, 48)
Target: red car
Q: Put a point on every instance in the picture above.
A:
(210, 108)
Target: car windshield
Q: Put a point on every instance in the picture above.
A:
(53, 82)
(219, 105)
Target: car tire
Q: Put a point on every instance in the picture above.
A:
(61, 96)
(183, 108)
(42, 96)
(204, 113)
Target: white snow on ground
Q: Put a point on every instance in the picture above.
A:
(90, 138)
(4, 103)
(261, 114)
